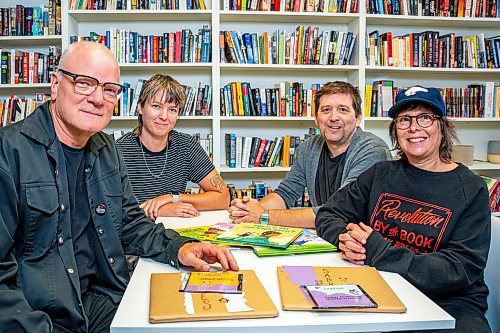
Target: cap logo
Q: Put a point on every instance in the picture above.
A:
(413, 90)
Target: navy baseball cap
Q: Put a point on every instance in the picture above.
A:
(430, 97)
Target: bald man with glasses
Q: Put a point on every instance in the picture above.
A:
(67, 211)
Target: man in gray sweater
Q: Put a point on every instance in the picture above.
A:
(323, 163)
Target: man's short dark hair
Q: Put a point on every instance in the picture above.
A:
(339, 87)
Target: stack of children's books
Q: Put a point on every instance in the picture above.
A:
(265, 240)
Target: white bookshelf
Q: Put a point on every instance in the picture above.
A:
(476, 132)
(81, 22)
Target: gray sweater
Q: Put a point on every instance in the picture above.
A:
(365, 150)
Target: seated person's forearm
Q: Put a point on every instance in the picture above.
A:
(210, 200)
(273, 201)
(300, 218)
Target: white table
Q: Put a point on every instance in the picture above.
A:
(132, 315)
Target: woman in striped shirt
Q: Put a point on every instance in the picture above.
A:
(160, 160)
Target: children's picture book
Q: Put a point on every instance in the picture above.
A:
(208, 233)
(295, 297)
(493, 185)
(307, 242)
(339, 296)
(261, 234)
(168, 304)
(212, 282)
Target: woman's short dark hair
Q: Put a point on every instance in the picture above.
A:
(448, 136)
(173, 92)
(339, 87)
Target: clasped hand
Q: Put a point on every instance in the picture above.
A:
(245, 210)
(351, 243)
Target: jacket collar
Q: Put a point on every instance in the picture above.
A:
(39, 126)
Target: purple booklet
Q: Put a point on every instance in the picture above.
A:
(212, 282)
(339, 296)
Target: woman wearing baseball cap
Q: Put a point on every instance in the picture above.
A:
(422, 215)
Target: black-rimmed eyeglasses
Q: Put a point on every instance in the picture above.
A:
(424, 120)
(86, 85)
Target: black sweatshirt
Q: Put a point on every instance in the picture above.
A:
(433, 228)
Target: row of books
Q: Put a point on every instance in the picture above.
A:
(325, 6)
(17, 108)
(250, 152)
(286, 99)
(429, 49)
(493, 185)
(305, 45)
(137, 4)
(208, 146)
(181, 46)
(31, 21)
(443, 8)
(258, 189)
(20, 67)
(198, 100)
(474, 101)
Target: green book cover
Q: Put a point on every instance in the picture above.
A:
(307, 242)
(208, 233)
(261, 234)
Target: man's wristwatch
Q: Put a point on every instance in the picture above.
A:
(175, 198)
(264, 218)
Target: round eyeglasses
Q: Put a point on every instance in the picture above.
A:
(86, 85)
(424, 120)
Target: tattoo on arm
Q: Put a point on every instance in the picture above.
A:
(217, 182)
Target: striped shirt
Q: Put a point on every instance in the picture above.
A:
(185, 161)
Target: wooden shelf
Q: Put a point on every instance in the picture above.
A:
(266, 118)
(483, 165)
(284, 17)
(181, 118)
(29, 41)
(25, 86)
(427, 70)
(460, 120)
(160, 65)
(281, 67)
(432, 21)
(140, 15)
(226, 169)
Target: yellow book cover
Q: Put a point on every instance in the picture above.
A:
(234, 99)
(212, 282)
(300, 48)
(261, 234)
(285, 152)
(168, 304)
(239, 96)
(368, 99)
(266, 47)
(208, 233)
(294, 298)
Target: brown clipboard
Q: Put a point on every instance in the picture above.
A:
(168, 304)
(293, 297)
